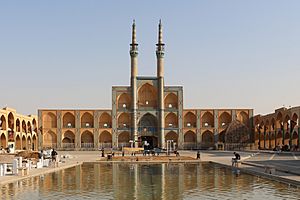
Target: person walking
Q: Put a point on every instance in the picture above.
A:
(54, 157)
(198, 155)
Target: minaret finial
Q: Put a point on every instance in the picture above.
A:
(160, 32)
(133, 33)
(133, 46)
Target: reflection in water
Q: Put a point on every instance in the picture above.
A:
(147, 181)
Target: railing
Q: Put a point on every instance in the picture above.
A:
(104, 145)
(190, 145)
(102, 126)
(207, 126)
(87, 125)
(120, 127)
(192, 125)
(68, 145)
(123, 144)
(87, 145)
(123, 106)
(173, 106)
(206, 145)
(67, 126)
(50, 145)
(171, 127)
(147, 129)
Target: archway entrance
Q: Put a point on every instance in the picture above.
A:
(149, 142)
(3, 141)
(147, 129)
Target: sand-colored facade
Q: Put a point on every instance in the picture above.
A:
(147, 110)
(18, 129)
(278, 128)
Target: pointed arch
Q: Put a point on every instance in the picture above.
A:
(222, 136)
(49, 120)
(243, 117)
(11, 121)
(171, 101)
(124, 101)
(287, 138)
(207, 139)
(68, 120)
(3, 140)
(50, 139)
(208, 120)
(190, 140)
(105, 139)
(68, 139)
(24, 127)
(105, 120)
(29, 129)
(267, 141)
(190, 136)
(24, 146)
(224, 119)
(18, 143)
(147, 125)
(295, 138)
(190, 120)
(124, 120)
(172, 136)
(18, 125)
(273, 124)
(279, 120)
(29, 143)
(147, 96)
(171, 121)
(34, 143)
(87, 120)
(124, 137)
(34, 126)
(287, 123)
(87, 139)
(279, 138)
(272, 141)
(3, 123)
(294, 121)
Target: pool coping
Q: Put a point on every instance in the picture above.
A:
(274, 177)
(15, 178)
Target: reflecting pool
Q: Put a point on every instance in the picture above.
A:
(149, 181)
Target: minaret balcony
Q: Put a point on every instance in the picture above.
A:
(160, 47)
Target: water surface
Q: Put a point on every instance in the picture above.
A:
(152, 181)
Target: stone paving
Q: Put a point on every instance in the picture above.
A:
(254, 162)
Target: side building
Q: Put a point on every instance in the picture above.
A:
(278, 129)
(146, 113)
(18, 131)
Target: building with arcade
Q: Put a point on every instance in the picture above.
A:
(145, 112)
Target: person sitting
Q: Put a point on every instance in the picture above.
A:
(237, 157)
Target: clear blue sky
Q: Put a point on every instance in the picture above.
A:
(67, 54)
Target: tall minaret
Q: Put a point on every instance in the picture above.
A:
(133, 55)
(160, 52)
